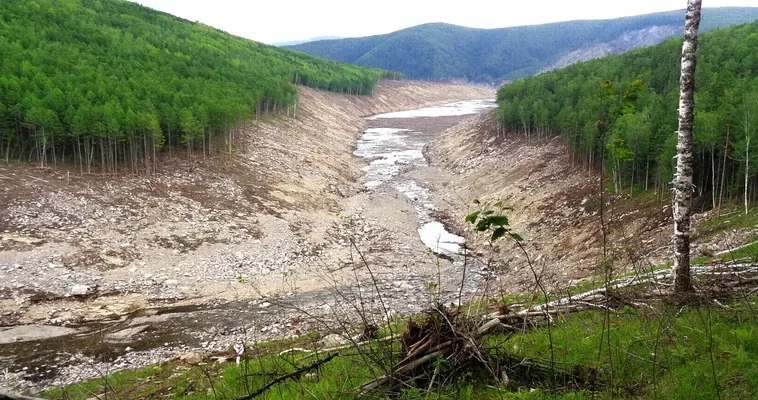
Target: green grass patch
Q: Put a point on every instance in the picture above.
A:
(666, 353)
(735, 219)
(748, 253)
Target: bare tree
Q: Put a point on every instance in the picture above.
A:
(683, 180)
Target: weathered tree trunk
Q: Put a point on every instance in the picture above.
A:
(683, 179)
(747, 167)
(713, 174)
(723, 169)
(746, 125)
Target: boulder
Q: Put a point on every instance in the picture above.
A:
(192, 358)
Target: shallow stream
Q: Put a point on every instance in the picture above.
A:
(395, 151)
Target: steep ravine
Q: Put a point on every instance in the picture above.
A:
(125, 271)
(190, 235)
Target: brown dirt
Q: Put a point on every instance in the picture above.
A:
(556, 206)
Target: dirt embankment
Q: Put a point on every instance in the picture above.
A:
(556, 206)
(77, 248)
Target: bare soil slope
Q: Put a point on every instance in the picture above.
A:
(556, 205)
(77, 248)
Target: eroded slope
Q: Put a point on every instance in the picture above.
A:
(194, 231)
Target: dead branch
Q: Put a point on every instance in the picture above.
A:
(312, 353)
(427, 352)
(292, 375)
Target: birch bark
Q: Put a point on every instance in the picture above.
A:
(683, 178)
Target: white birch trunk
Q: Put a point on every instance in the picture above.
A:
(746, 124)
(683, 178)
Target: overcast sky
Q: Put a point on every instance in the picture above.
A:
(271, 21)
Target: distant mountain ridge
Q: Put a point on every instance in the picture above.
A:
(441, 51)
(627, 41)
(313, 39)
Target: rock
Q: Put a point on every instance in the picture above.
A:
(79, 290)
(126, 334)
(265, 304)
(24, 239)
(192, 358)
(27, 333)
(170, 282)
(113, 260)
(332, 340)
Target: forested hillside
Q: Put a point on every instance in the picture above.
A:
(443, 51)
(107, 83)
(626, 107)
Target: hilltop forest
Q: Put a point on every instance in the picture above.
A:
(623, 109)
(107, 83)
(442, 51)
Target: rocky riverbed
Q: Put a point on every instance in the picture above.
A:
(104, 276)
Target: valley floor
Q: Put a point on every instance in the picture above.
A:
(182, 257)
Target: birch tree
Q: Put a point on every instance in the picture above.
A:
(683, 178)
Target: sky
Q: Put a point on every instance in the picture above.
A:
(272, 21)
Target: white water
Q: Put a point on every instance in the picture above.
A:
(393, 151)
(445, 110)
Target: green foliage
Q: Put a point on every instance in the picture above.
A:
(655, 353)
(492, 218)
(658, 355)
(442, 51)
(626, 106)
(110, 80)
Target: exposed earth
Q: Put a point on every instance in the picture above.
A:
(297, 230)
(121, 271)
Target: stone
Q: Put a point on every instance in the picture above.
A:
(170, 282)
(113, 260)
(192, 358)
(332, 340)
(79, 290)
(126, 334)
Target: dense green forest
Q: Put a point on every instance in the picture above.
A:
(624, 109)
(443, 51)
(107, 83)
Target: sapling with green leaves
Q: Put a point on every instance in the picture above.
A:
(487, 218)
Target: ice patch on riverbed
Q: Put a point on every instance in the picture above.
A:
(436, 237)
(445, 110)
(433, 234)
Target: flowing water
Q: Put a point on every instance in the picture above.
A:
(397, 150)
